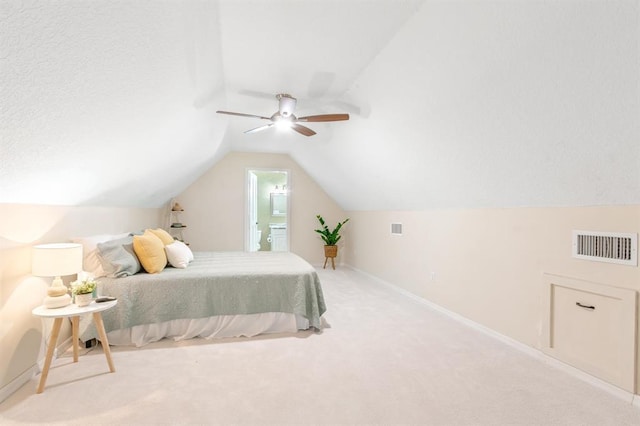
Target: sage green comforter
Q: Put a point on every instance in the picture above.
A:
(214, 283)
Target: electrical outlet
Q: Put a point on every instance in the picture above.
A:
(432, 276)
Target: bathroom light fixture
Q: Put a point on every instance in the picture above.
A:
(56, 260)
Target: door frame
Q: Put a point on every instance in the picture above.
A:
(249, 227)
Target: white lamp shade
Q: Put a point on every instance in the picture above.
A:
(56, 260)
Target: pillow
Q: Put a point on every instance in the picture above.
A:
(118, 258)
(90, 261)
(150, 252)
(178, 254)
(163, 235)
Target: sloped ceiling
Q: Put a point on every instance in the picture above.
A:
(453, 104)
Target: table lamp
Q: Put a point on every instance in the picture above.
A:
(56, 260)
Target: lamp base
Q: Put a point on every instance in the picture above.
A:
(51, 302)
(57, 295)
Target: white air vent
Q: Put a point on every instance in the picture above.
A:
(396, 229)
(609, 247)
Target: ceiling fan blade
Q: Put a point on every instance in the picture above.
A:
(258, 129)
(302, 129)
(256, 94)
(324, 117)
(239, 114)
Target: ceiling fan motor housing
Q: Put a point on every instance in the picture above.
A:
(287, 104)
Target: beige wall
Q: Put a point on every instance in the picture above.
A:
(215, 206)
(21, 227)
(484, 264)
(487, 264)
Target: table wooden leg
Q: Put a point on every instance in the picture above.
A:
(325, 262)
(97, 318)
(333, 264)
(75, 325)
(55, 331)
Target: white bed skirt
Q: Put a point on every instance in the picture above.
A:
(220, 326)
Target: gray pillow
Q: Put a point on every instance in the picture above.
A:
(118, 258)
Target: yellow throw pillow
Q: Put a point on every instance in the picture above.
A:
(150, 251)
(164, 236)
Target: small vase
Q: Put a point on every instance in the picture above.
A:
(83, 299)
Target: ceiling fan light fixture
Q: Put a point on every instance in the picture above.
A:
(284, 123)
(284, 117)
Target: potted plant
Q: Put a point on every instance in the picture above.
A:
(330, 238)
(83, 291)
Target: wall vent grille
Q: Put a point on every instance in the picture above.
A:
(609, 247)
(396, 229)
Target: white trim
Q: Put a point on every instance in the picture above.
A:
(290, 190)
(533, 352)
(7, 390)
(10, 388)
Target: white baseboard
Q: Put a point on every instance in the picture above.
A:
(7, 390)
(533, 352)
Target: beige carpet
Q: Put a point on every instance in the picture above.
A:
(386, 359)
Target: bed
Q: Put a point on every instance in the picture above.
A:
(220, 294)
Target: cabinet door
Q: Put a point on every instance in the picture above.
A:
(592, 327)
(279, 240)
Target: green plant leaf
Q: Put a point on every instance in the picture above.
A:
(329, 237)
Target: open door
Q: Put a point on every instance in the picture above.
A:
(268, 203)
(252, 210)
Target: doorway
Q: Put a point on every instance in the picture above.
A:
(268, 201)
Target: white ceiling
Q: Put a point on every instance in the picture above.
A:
(453, 104)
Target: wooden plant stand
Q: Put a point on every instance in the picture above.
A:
(330, 252)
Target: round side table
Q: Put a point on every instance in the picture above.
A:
(72, 311)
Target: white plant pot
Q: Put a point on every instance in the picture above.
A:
(84, 299)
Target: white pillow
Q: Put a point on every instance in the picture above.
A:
(178, 254)
(90, 260)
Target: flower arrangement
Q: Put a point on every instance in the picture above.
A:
(83, 287)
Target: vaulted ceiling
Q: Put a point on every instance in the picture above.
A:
(453, 104)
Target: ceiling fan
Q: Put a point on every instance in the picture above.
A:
(284, 117)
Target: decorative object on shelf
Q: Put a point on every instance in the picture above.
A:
(83, 291)
(330, 239)
(175, 225)
(56, 260)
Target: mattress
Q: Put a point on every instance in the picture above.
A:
(216, 286)
(216, 327)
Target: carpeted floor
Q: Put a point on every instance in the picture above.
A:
(386, 359)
